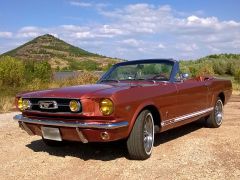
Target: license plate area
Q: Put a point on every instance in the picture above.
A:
(51, 133)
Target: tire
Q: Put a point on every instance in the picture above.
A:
(140, 142)
(53, 143)
(216, 117)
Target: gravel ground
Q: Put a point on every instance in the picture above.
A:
(188, 152)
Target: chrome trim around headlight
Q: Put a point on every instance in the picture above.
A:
(116, 125)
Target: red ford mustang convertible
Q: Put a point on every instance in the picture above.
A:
(132, 101)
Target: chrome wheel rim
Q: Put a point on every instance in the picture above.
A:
(219, 112)
(148, 133)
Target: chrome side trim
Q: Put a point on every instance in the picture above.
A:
(116, 125)
(184, 117)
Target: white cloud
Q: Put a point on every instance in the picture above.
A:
(83, 35)
(29, 32)
(161, 46)
(132, 42)
(145, 31)
(107, 29)
(191, 33)
(81, 4)
(71, 27)
(6, 34)
(187, 47)
(88, 4)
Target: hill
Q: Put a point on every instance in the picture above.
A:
(60, 55)
(221, 65)
(218, 64)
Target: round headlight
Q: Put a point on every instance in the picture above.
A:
(74, 106)
(106, 107)
(26, 104)
(20, 103)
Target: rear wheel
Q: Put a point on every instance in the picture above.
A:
(216, 118)
(141, 139)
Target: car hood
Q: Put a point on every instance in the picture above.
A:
(81, 91)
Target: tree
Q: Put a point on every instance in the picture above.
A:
(11, 71)
(204, 70)
(43, 71)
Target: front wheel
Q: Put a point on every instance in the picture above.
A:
(216, 117)
(141, 139)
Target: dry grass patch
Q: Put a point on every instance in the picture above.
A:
(6, 104)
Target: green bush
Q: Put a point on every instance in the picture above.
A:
(11, 71)
(37, 70)
(42, 71)
(16, 73)
(220, 67)
(87, 65)
(205, 70)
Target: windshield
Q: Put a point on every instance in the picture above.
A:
(146, 71)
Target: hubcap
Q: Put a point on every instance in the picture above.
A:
(219, 112)
(148, 133)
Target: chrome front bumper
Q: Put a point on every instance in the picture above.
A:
(21, 118)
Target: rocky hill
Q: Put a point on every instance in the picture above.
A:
(61, 55)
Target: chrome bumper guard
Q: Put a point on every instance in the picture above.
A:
(21, 118)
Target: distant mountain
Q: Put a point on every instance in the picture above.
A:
(61, 55)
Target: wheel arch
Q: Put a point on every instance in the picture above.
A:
(147, 106)
(155, 113)
(221, 95)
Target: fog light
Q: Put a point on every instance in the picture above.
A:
(74, 106)
(26, 104)
(105, 136)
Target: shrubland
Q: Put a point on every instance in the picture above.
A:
(18, 76)
(29, 75)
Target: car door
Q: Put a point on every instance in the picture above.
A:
(192, 96)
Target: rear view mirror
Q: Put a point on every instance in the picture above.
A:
(184, 76)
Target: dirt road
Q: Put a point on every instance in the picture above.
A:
(189, 152)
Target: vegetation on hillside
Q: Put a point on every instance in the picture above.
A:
(42, 44)
(218, 64)
(26, 75)
(223, 65)
(60, 55)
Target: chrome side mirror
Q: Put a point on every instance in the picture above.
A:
(184, 76)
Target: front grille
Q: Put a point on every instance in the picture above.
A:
(62, 105)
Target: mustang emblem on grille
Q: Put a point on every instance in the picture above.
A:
(48, 104)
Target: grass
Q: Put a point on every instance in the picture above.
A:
(236, 88)
(6, 104)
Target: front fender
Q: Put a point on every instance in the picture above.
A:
(137, 112)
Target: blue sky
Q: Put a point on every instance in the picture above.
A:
(127, 29)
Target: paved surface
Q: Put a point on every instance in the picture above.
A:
(188, 152)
